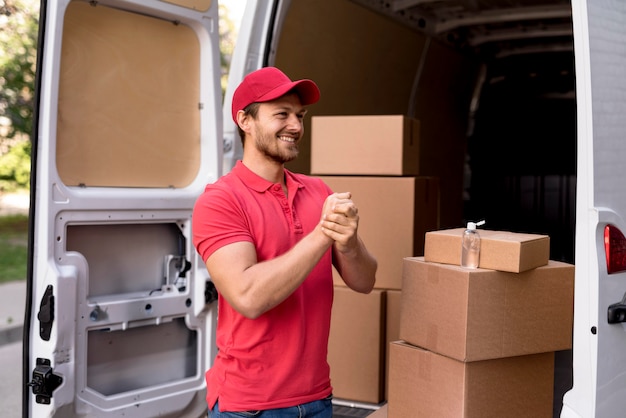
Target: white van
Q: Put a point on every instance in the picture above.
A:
(522, 107)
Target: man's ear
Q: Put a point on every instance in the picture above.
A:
(243, 120)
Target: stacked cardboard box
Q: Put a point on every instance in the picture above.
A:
(357, 345)
(377, 159)
(503, 251)
(377, 145)
(480, 342)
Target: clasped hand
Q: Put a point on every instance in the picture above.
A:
(340, 221)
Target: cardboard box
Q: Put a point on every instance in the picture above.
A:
(394, 215)
(356, 348)
(392, 332)
(379, 413)
(504, 251)
(385, 145)
(426, 384)
(478, 314)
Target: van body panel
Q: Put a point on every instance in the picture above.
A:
(126, 137)
(100, 206)
(599, 363)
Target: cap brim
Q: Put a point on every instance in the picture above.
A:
(306, 89)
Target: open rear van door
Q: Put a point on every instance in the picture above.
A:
(127, 133)
(599, 388)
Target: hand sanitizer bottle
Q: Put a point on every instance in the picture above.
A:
(470, 252)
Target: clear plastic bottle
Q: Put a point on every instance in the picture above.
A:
(470, 251)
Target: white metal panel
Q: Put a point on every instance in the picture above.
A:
(599, 358)
(79, 314)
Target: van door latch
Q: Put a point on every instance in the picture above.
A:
(46, 314)
(44, 381)
(617, 312)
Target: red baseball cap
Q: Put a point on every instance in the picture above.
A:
(269, 83)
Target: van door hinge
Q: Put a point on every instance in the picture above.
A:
(46, 314)
(44, 381)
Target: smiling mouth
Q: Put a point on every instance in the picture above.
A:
(287, 139)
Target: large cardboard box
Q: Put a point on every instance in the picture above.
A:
(478, 314)
(385, 145)
(427, 384)
(394, 215)
(504, 251)
(356, 348)
(379, 413)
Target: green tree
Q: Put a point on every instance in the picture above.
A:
(18, 52)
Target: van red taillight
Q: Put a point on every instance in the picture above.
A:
(615, 249)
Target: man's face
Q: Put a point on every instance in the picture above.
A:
(278, 128)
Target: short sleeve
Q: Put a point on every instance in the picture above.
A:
(218, 220)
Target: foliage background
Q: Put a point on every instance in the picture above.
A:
(18, 49)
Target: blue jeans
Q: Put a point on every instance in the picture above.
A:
(315, 409)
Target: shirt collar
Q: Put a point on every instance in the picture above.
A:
(258, 183)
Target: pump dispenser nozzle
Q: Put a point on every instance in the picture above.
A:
(473, 225)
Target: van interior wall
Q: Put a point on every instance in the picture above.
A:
(511, 160)
(522, 150)
(368, 64)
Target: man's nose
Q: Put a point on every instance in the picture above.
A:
(294, 122)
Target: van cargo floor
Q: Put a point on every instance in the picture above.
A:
(340, 411)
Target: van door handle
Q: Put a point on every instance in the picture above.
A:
(46, 314)
(617, 312)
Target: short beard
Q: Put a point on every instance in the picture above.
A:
(275, 155)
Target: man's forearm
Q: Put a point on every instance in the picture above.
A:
(272, 281)
(357, 268)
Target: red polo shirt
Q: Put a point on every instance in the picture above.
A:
(279, 359)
